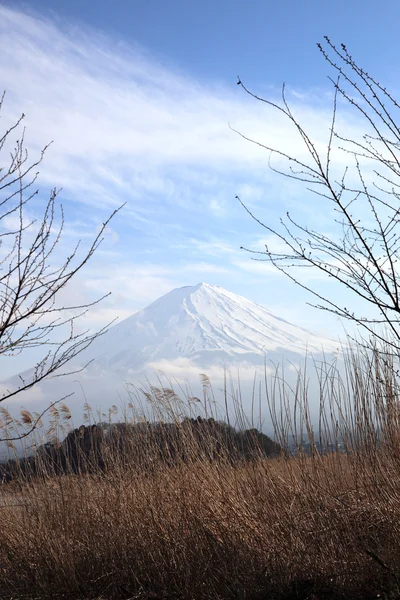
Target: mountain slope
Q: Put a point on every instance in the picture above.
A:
(203, 323)
(189, 331)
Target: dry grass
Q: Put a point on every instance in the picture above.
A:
(306, 526)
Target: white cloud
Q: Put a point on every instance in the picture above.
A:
(259, 267)
(128, 129)
(183, 369)
(34, 395)
(119, 120)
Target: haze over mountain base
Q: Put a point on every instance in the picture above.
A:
(193, 330)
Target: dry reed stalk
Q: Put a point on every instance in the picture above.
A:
(195, 524)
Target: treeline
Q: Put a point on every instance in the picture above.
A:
(144, 446)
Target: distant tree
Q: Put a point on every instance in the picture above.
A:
(143, 446)
(362, 254)
(31, 274)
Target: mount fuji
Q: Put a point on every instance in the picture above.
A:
(205, 324)
(190, 330)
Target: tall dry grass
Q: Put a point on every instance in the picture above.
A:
(308, 524)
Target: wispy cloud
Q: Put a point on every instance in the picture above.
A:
(122, 121)
(127, 128)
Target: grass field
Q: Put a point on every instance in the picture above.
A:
(310, 526)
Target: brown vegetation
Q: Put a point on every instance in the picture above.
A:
(97, 448)
(321, 525)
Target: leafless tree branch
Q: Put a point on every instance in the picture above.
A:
(31, 273)
(362, 253)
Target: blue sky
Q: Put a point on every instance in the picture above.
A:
(138, 97)
(266, 42)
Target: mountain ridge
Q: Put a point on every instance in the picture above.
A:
(200, 320)
(202, 324)
(188, 331)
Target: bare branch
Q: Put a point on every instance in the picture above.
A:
(362, 252)
(32, 275)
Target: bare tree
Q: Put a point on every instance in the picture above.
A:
(31, 272)
(362, 254)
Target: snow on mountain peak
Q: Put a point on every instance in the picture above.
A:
(188, 331)
(204, 323)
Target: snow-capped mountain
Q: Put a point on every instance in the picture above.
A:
(190, 330)
(187, 332)
(203, 323)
